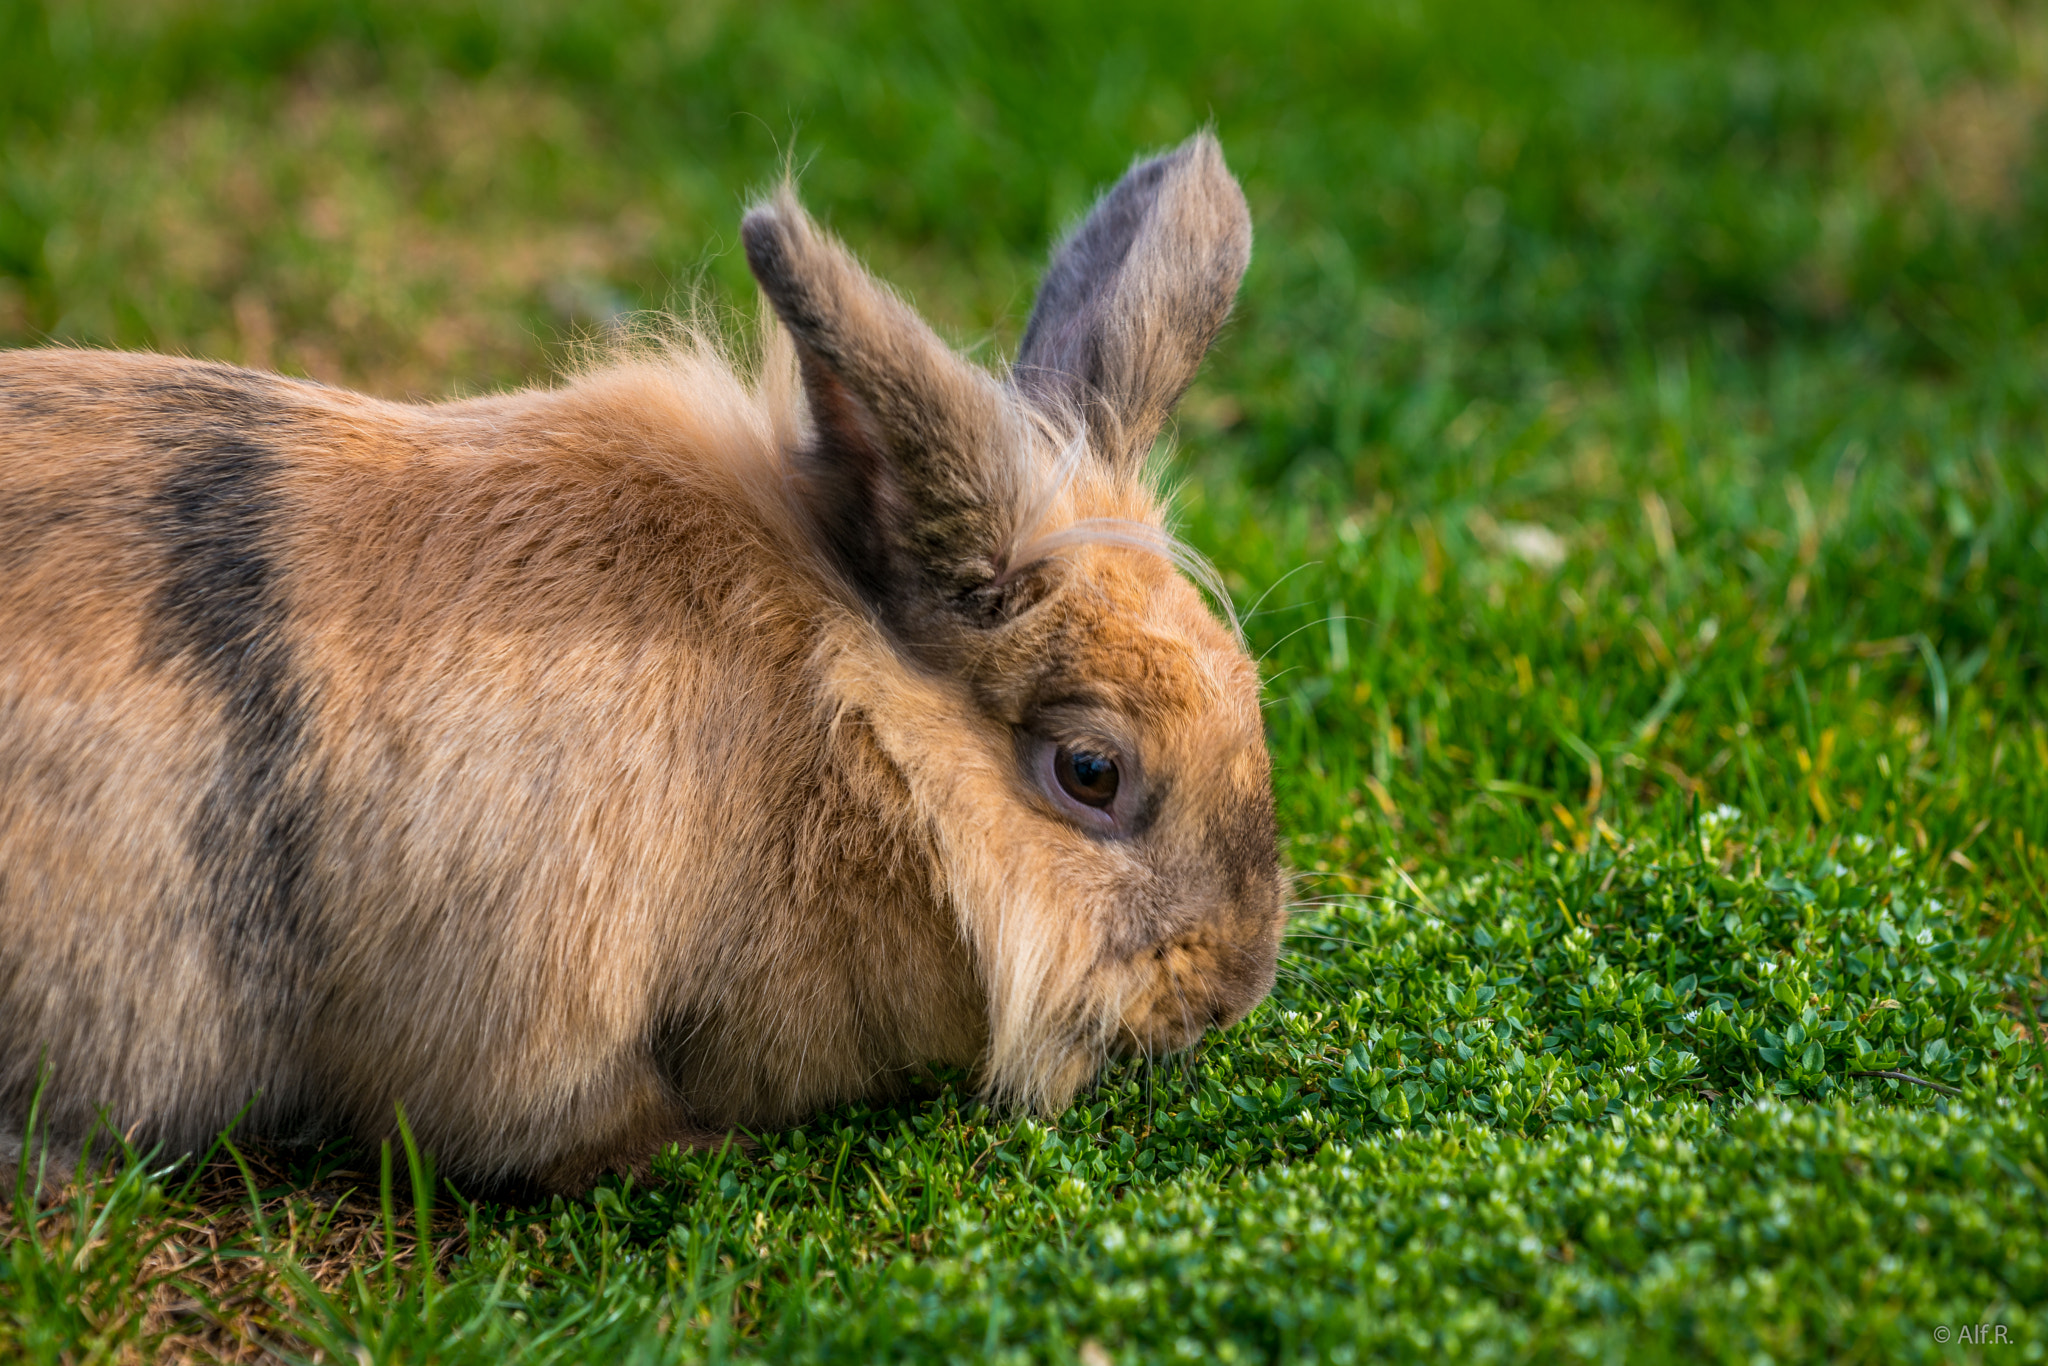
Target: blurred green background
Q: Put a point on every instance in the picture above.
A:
(1630, 454)
(1530, 281)
(408, 195)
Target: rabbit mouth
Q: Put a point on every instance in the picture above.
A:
(1186, 987)
(1164, 1034)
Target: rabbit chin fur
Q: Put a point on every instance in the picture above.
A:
(592, 768)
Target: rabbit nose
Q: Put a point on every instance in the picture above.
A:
(1209, 979)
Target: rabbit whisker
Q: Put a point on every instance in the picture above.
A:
(1330, 939)
(1254, 610)
(1268, 652)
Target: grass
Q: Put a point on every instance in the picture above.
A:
(1631, 459)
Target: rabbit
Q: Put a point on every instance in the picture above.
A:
(681, 749)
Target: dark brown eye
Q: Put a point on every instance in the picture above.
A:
(1088, 778)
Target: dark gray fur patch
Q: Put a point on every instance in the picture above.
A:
(1062, 340)
(221, 616)
(28, 518)
(27, 401)
(26, 524)
(1133, 298)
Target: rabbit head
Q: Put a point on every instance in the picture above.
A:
(1080, 736)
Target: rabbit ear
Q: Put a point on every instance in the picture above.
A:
(1135, 296)
(904, 478)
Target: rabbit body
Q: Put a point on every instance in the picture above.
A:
(594, 768)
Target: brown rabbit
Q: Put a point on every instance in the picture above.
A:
(597, 767)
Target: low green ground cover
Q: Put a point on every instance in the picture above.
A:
(1631, 463)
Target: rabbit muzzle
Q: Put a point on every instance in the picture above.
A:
(1208, 978)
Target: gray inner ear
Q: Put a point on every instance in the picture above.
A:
(1134, 297)
(1062, 349)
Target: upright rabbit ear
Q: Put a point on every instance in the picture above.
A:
(1136, 295)
(907, 479)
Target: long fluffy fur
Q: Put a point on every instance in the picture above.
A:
(534, 762)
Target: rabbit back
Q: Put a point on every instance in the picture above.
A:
(353, 751)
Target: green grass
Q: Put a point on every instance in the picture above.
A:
(1631, 456)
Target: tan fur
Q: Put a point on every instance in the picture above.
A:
(543, 762)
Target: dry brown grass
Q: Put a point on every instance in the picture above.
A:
(1971, 140)
(212, 1275)
(403, 242)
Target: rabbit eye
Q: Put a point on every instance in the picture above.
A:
(1088, 778)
